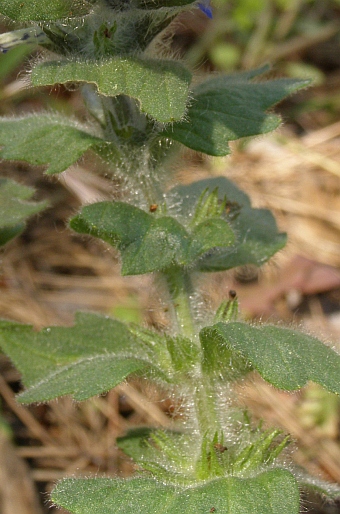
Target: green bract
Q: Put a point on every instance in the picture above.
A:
(165, 454)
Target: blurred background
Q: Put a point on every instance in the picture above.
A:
(48, 272)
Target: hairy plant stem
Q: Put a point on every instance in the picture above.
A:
(205, 409)
(203, 394)
(149, 187)
(180, 288)
(126, 127)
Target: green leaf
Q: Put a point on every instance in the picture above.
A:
(185, 197)
(118, 223)
(149, 243)
(15, 207)
(161, 87)
(86, 377)
(163, 244)
(257, 240)
(226, 108)
(184, 353)
(285, 358)
(146, 243)
(270, 492)
(211, 233)
(257, 237)
(44, 139)
(219, 360)
(136, 443)
(11, 60)
(164, 453)
(176, 353)
(86, 359)
(43, 10)
(8, 233)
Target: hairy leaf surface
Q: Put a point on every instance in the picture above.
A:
(161, 87)
(86, 359)
(44, 139)
(256, 234)
(43, 10)
(268, 493)
(149, 243)
(286, 358)
(226, 108)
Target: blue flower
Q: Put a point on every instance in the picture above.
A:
(205, 7)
